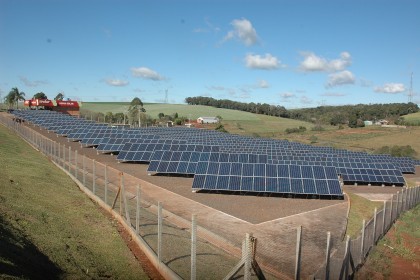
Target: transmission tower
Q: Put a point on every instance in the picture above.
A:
(166, 96)
(410, 94)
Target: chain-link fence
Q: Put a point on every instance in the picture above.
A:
(187, 250)
(352, 253)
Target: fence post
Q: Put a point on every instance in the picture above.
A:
(106, 184)
(193, 247)
(397, 206)
(383, 219)
(124, 197)
(75, 164)
(347, 258)
(403, 200)
(248, 253)
(159, 250)
(69, 159)
(362, 245)
(298, 251)
(327, 257)
(390, 211)
(64, 157)
(93, 177)
(138, 200)
(84, 170)
(59, 154)
(374, 226)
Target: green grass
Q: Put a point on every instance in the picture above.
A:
(189, 111)
(413, 119)
(398, 244)
(49, 227)
(361, 208)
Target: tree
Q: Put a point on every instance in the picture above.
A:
(60, 96)
(135, 110)
(14, 97)
(40, 95)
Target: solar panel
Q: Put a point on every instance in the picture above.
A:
(269, 178)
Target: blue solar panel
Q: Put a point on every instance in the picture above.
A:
(251, 177)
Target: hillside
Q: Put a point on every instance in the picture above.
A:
(49, 228)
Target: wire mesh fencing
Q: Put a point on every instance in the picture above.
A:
(192, 250)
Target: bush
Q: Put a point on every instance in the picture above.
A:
(296, 130)
(221, 128)
(318, 128)
(397, 151)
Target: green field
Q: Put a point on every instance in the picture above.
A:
(413, 119)
(49, 228)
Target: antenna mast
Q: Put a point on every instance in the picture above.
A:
(166, 96)
(410, 94)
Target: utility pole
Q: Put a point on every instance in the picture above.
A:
(410, 94)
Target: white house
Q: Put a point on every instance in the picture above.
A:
(204, 120)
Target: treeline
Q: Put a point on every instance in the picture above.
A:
(257, 108)
(352, 115)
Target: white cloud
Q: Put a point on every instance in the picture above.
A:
(216, 88)
(312, 62)
(287, 95)
(334, 94)
(244, 31)
(146, 73)
(29, 83)
(116, 82)
(391, 88)
(340, 78)
(210, 27)
(305, 100)
(263, 84)
(266, 62)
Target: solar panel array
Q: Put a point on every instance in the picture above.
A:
(197, 152)
(268, 178)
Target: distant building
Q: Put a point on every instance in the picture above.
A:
(382, 122)
(368, 123)
(204, 120)
(68, 107)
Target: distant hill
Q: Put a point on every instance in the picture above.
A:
(237, 122)
(189, 111)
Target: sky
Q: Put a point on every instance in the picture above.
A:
(290, 53)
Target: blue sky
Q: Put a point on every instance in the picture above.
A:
(289, 53)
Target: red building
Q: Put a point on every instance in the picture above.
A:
(68, 107)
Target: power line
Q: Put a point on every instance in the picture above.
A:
(410, 94)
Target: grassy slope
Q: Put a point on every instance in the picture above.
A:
(237, 122)
(361, 208)
(49, 227)
(413, 118)
(397, 254)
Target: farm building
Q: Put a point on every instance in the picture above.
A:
(68, 107)
(204, 120)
